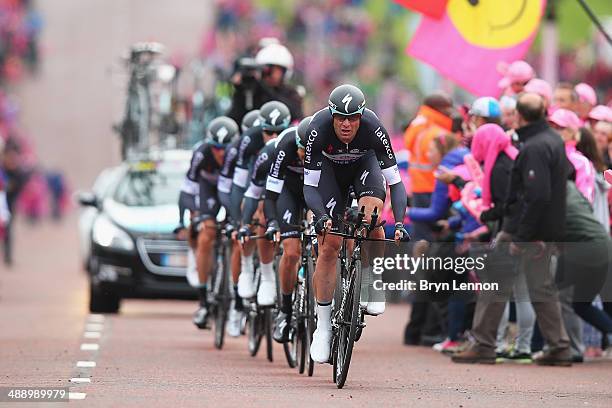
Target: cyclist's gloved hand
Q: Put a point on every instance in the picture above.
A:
(400, 232)
(352, 214)
(244, 233)
(272, 230)
(229, 230)
(321, 224)
(178, 229)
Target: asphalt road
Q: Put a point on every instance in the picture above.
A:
(151, 354)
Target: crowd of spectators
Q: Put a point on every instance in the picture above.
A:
(541, 207)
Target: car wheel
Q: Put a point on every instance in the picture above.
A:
(103, 301)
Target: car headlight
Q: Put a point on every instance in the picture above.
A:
(108, 235)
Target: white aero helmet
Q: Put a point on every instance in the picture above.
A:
(275, 54)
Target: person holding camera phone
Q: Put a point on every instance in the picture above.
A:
(262, 79)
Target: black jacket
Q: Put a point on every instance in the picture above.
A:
(537, 197)
(260, 94)
(500, 180)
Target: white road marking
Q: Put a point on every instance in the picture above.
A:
(90, 346)
(91, 335)
(94, 327)
(80, 380)
(85, 364)
(96, 318)
(76, 395)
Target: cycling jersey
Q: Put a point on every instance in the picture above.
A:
(259, 174)
(226, 173)
(284, 185)
(249, 146)
(199, 190)
(360, 163)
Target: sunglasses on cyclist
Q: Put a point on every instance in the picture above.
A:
(270, 132)
(351, 118)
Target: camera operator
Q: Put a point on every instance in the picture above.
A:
(262, 79)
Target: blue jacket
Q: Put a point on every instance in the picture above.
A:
(440, 203)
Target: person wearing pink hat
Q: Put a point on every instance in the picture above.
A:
(567, 123)
(565, 97)
(600, 113)
(516, 75)
(542, 88)
(587, 99)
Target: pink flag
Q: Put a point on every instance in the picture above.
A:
(472, 38)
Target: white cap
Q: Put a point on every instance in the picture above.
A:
(486, 107)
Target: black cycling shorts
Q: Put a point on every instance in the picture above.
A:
(289, 208)
(365, 176)
(209, 201)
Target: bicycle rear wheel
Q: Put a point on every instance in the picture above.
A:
(222, 296)
(310, 321)
(255, 330)
(291, 347)
(348, 325)
(267, 327)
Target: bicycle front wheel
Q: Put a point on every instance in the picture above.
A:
(348, 325)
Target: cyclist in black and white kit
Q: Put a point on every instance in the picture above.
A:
(283, 208)
(274, 118)
(346, 145)
(224, 189)
(203, 172)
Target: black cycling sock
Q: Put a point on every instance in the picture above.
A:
(203, 296)
(237, 299)
(286, 303)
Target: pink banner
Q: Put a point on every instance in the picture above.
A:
(469, 42)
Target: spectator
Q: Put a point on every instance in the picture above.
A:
(516, 76)
(485, 110)
(587, 99)
(567, 124)
(565, 96)
(536, 202)
(445, 153)
(603, 136)
(509, 119)
(542, 88)
(588, 147)
(433, 119)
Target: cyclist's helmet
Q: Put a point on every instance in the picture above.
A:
(221, 131)
(250, 120)
(300, 134)
(346, 100)
(274, 116)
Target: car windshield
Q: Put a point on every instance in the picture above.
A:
(149, 188)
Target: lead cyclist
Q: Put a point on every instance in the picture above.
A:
(347, 145)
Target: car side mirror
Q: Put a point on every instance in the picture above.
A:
(87, 199)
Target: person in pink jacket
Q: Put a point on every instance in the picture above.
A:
(567, 124)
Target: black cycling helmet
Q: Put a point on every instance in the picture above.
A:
(346, 100)
(300, 134)
(250, 120)
(221, 131)
(274, 116)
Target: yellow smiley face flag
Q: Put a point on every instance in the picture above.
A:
(474, 36)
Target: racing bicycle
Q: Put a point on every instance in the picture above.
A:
(347, 314)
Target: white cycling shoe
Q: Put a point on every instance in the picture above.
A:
(375, 308)
(246, 285)
(266, 295)
(233, 323)
(321, 345)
